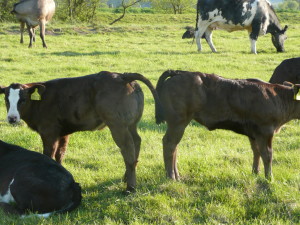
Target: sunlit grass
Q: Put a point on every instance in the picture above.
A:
(217, 185)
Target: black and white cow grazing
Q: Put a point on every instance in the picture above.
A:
(34, 182)
(256, 16)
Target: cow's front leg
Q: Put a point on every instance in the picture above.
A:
(124, 141)
(265, 148)
(61, 149)
(50, 144)
(253, 35)
(198, 40)
(256, 156)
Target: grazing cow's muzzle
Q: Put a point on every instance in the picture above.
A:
(13, 119)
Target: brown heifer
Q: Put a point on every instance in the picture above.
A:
(288, 70)
(249, 107)
(34, 13)
(57, 108)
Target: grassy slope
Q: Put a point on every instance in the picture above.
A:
(217, 185)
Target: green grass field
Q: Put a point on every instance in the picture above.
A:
(217, 185)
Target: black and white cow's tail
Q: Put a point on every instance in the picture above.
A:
(75, 200)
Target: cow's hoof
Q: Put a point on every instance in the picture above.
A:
(129, 190)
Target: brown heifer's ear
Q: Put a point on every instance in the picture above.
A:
(289, 84)
(35, 91)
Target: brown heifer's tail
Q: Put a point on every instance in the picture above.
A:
(129, 77)
(161, 80)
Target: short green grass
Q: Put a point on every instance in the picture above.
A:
(217, 186)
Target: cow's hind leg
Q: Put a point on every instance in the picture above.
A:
(31, 35)
(208, 38)
(61, 149)
(22, 26)
(170, 141)
(124, 140)
(42, 32)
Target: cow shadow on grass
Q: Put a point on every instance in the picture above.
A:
(74, 54)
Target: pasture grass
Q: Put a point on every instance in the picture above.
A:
(217, 186)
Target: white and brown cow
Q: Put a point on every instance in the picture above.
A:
(57, 108)
(256, 16)
(34, 13)
(30, 181)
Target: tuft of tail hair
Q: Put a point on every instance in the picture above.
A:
(129, 77)
(76, 199)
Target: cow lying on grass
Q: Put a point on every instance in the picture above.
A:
(250, 107)
(34, 182)
(288, 70)
(57, 108)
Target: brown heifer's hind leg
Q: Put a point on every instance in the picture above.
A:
(62, 147)
(170, 141)
(137, 144)
(256, 156)
(124, 140)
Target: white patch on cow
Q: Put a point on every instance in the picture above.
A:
(253, 46)
(44, 215)
(7, 198)
(13, 98)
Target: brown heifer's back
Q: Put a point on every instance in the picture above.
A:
(288, 70)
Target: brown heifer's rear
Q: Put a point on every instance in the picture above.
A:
(249, 107)
(288, 70)
(84, 103)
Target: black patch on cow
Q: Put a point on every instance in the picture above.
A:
(231, 10)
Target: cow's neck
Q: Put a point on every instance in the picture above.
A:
(290, 107)
(274, 25)
(31, 117)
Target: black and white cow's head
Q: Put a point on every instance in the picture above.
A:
(278, 39)
(18, 98)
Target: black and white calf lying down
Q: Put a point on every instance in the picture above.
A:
(34, 183)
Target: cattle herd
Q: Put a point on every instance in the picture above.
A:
(57, 108)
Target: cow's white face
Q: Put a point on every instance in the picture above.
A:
(12, 101)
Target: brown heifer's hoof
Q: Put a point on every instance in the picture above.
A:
(129, 190)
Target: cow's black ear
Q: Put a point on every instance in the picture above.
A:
(285, 28)
(2, 89)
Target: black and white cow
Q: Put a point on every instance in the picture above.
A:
(256, 16)
(34, 182)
